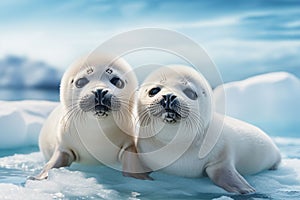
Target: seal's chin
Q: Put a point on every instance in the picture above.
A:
(170, 117)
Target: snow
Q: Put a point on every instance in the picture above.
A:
(21, 121)
(16, 72)
(270, 101)
(86, 182)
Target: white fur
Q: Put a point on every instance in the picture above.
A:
(174, 148)
(89, 138)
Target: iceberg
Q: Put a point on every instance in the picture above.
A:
(16, 72)
(270, 101)
(21, 121)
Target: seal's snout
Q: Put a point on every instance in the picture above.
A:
(102, 99)
(170, 104)
(169, 101)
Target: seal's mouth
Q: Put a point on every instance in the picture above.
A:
(101, 110)
(170, 116)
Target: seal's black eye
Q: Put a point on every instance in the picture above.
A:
(190, 93)
(154, 91)
(81, 82)
(116, 81)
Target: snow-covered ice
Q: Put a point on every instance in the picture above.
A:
(83, 182)
(270, 101)
(21, 121)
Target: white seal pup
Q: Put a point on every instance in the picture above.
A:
(93, 123)
(177, 121)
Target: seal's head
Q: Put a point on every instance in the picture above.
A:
(98, 85)
(175, 95)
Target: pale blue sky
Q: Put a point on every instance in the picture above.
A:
(252, 36)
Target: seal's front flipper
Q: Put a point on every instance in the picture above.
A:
(58, 159)
(132, 165)
(229, 179)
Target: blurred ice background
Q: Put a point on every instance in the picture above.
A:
(255, 45)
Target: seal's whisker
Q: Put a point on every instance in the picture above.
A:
(70, 114)
(143, 116)
(196, 122)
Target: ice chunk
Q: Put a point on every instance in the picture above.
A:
(271, 101)
(21, 121)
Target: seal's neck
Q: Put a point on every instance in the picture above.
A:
(164, 133)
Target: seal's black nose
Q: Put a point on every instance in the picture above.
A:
(168, 101)
(102, 98)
